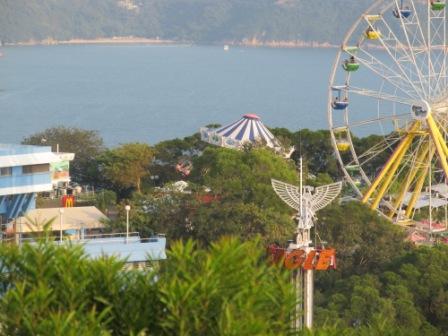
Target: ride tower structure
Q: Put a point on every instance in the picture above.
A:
(301, 255)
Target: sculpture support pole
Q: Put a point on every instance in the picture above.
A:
(303, 278)
(299, 273)
(296, 319)
(308, 280)
(303, 281)
(301, 188)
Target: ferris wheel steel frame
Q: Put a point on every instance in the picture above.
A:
(407, 54)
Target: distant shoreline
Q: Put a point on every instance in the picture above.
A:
(284, 44)
(254, 43)
(105, 40)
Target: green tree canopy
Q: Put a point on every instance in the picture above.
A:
(188, 20)
(245, 204)
(243, 175)
(230, 193)
(226, 290)
(409, 294)
(171, 152)
(364, 241)
(126, 165)
(314, 147)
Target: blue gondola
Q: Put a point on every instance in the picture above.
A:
(402, 11)
(405, 13)
(339, 102)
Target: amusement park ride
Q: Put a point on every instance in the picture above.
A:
(390, 78)
(302, 256)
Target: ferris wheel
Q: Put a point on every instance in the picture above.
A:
(389, 82)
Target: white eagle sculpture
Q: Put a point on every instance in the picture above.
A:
(311, 201)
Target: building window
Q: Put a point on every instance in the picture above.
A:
(6, 171)
(39, 168)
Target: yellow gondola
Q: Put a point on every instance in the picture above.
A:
(373, 34)
(342, 142)
(343, 146)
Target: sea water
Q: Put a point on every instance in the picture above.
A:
(151, 93)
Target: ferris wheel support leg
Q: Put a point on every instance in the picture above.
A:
(438, 141)
(388, 164)
(390, 175)
(411, 176)
(432, 124)
(418, 187)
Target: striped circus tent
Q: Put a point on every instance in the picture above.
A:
(249, 129)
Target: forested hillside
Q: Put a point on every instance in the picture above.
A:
(202, 21)
(212, 284)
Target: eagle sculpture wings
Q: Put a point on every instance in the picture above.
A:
(322, 196)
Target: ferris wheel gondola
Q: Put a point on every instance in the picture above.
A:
(402, 11)
(393, 70)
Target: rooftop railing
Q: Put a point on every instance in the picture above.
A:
(132, 237)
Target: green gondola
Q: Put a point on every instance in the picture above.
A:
(350, 49)
(349, 66)
(352, 168)
(437, 5)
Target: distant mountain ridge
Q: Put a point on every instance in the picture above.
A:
(197, 21)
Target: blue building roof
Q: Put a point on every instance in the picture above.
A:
(135, 249)
(13, 149)
(132, 250)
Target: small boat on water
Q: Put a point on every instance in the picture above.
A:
(226, 47)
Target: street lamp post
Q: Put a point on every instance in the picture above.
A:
(127, 208)
(61, 211)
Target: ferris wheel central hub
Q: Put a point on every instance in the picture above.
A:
(421, 110)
